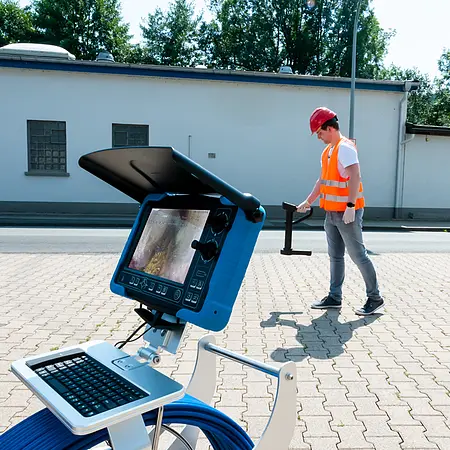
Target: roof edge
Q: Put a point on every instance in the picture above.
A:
(430, 130)
(33, 63)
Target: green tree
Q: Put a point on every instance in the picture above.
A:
(419, 101)
(172, 38)
(261, 34)
(372, 40)
(83, 27)
(242, 36)
(440, 109)
(15, 23)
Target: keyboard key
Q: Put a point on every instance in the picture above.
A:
(109, 404)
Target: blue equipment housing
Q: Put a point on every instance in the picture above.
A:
(192, 239)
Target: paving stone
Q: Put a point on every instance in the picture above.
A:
(385, 443)
(336, 397)
(321, 443)
(408, 390)
(422, 407)
(343, 416)
(434, 426)
(413, 437)
(442, 443)
(437, 397)
(352, 438)
(358, 389)
(400, 416)
(318, 426)
(389, 398)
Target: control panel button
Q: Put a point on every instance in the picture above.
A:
(164, 290)
(208, 250)
(134, 280)
(158, 289)
(195, 299)
(200, 284)
(177, 294)
(194, 283)
(201, 273)
(152, 286)
(219, 223)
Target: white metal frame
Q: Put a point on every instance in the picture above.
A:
(280, 427)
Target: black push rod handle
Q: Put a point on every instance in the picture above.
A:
(290, 210)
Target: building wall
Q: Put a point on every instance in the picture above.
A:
(426, 182)
(259, 133)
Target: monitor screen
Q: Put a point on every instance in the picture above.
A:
(164, 248)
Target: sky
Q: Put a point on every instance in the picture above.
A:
(410, 19)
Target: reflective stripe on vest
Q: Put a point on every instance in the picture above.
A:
(334, 189)
(338, 198)
(340, 184)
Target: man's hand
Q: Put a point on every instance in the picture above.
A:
(349, 215)
(303, 207)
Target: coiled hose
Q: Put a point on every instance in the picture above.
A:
(44, 431)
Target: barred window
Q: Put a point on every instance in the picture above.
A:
(124, 135)
(47, 147)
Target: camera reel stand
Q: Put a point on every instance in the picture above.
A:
(166, 335)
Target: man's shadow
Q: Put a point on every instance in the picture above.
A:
(323, 338)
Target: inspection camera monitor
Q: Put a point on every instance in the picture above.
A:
(192, 239)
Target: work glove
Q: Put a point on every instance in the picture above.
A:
(303, 207)
(349, 215)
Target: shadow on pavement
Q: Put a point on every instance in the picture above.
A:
(323, 338)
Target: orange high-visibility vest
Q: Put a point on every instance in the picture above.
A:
(334, 189)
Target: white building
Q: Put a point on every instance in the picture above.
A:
(251, 129)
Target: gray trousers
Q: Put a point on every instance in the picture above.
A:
(341, 236)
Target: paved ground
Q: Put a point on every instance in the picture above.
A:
(380, 382)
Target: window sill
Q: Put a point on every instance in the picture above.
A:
(47, 173)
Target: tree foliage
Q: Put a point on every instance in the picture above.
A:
(83, 27)
(172, 38)
(15, 24)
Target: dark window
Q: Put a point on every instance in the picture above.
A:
(129, 135)
(47, 147)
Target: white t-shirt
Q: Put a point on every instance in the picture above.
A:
(347, 156)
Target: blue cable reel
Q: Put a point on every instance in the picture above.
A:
(183, 264)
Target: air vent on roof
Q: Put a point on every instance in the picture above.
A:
(36, 51)
(105, 56)
(285, 69)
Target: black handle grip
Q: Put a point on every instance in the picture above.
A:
(293, 208)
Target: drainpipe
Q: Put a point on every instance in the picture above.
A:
(400, 163)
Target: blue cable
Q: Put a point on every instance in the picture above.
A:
(44, 431)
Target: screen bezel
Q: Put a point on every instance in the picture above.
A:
(170, 202)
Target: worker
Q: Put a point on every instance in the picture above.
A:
(341, 196)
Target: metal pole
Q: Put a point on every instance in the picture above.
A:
(157, 431)
(352, 92)
(262, 367)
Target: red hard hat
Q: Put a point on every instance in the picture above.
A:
(319, 117)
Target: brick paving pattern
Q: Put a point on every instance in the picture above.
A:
(363, 383)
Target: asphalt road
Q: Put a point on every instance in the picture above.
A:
(68, 240)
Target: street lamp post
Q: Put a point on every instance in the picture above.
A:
(352, 91)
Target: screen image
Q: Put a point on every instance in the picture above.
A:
(164, 248)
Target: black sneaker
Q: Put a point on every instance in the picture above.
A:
(371, 307)
(327, 302)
